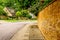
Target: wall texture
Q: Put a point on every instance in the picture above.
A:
(49, 21)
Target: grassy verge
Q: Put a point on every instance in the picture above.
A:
(20, 20)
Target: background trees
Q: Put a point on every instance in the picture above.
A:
(33, 6)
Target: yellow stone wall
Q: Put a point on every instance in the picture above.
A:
(49, 21)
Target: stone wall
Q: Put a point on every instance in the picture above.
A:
(49, 21)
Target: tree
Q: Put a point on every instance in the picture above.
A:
(33, 6)
(38, 6)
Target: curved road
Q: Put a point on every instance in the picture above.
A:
(7, 30)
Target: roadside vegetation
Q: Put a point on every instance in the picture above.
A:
(20, 20)
(23, 9)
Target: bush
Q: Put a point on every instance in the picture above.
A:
(23, 13)
(18, 14)
(29, 16)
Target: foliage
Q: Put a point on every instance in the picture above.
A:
(1, 11)
(23, 13)
(18, 14)
(1, 8)
(21, 6)
(38, 6)
(29, 16)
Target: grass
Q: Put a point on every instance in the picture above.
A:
(20, 20)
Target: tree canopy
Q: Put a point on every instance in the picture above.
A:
(32, 5)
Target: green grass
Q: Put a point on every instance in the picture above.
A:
(20, 20)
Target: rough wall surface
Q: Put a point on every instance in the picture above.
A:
(49, 21)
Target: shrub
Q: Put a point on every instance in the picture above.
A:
(18, 14)
(29, 16)
(23, 13)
